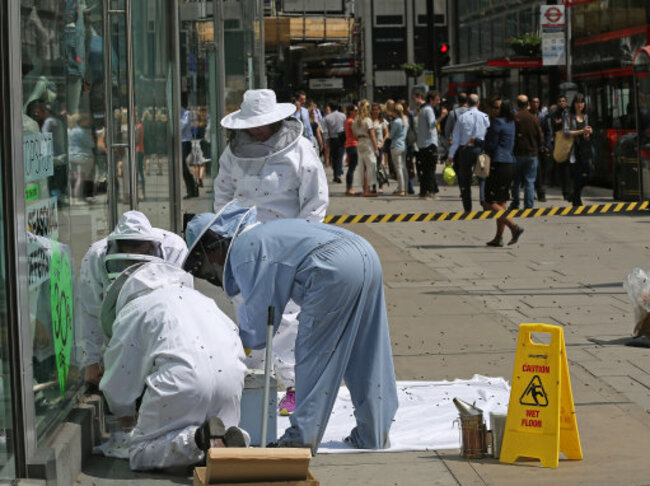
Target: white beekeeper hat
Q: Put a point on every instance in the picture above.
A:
(258, 108)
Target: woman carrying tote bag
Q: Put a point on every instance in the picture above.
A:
(576, 126)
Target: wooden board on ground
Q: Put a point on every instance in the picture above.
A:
(239, 465)
(200, 472)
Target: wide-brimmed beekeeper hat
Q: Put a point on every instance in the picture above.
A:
(258, 108)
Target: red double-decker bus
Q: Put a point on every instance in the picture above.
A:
(606, 36)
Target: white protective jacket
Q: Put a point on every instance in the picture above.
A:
(175, 345)
(282, 176)
(93, 280)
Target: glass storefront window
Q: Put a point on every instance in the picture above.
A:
(7, 465)
(511, 24)
(153, 78)
(66, 182)
(498, 39)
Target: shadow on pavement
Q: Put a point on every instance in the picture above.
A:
(101, 470)
(611, 342)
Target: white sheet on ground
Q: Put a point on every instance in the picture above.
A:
(426, 418)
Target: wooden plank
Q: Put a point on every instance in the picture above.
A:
(200, 472)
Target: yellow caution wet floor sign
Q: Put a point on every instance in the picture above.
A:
(541, 418)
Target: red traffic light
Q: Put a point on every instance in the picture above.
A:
(444, 48)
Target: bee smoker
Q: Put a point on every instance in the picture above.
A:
(473, 430)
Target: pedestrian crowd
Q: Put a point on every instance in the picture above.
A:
(528, 145)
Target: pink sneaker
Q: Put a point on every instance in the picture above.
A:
(288, 404)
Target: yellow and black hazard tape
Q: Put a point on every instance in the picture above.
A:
(509, 213)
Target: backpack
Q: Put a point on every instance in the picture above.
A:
(411, 136)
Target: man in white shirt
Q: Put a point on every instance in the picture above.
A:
(469, 132)
(334, 126)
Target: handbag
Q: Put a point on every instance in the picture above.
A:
(562, 147)
(482, 167)
(382, 175)
(449, 175)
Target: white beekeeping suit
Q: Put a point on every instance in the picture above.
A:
(94, 278)
(283, 177)
(175, 345)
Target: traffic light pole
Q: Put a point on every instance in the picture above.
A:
(432, 46)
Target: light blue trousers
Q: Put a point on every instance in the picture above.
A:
(343, 334)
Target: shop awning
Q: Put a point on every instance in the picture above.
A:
(516, 62)
(495, 65)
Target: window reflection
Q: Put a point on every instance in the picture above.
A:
(65, 177)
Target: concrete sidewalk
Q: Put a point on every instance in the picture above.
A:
(455, 306)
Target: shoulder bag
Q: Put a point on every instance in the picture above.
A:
(562, 147)
(482, 166)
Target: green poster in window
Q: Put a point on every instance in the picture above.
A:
(61, 299)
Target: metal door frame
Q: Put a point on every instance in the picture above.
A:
(129, 146)
(19, 330)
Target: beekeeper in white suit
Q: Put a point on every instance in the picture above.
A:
(132, 240)
(174, 347)
(270, 165)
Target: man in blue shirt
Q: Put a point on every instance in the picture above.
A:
(427, 131)
(336, 278)
(468, 135)
(303, 115)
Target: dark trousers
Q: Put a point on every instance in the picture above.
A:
(140, 158)
(463, 165)
(543, 166)
(337, 149)
(426, 167)
(580, 173)
(563, 173)
(353, 159)
(190, 183)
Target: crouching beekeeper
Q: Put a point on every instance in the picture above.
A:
(174, 348)
(335, 276)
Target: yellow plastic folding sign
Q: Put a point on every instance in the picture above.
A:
(541, 419)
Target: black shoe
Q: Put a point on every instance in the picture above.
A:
(191, 196)
(495, 242)
(210, 429)
(541, 197)
(515, 236)
(234, 437)
(577, 202)
(337, 180)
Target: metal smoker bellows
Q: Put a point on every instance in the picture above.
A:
(472, 427)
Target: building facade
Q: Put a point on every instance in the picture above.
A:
(604, 37)
(90, 99)
(482, 60)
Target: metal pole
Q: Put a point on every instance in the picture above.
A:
(261, 64)
(366, 18)
(108, 117)
(130, 93)
(569, 68)
(410, 48)
(431, 45)
(267, 375)
(221, 70)
(175, 122)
